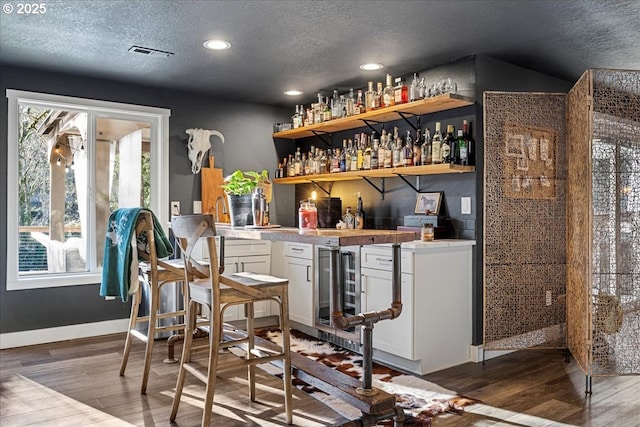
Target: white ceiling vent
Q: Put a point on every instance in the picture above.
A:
(149, 51)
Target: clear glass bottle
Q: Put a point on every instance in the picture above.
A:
(351, 103)
(425, 149)
(436, 146)
(318, 113)
(327, 111)
(359, 152)
(336, 108)
(397, 149)
(295, 119)
(375, 147)
(297, 163)
(387, 93)
(348, 219)
(388, 152)
(414, 94)
(343, 156)
(369, 98)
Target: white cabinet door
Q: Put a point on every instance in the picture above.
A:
(299, 272)
(393, 336)
(255, 264)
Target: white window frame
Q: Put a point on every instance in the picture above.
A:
(159, 119)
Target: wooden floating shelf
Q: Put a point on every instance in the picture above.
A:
(377, 173)
(422, 106)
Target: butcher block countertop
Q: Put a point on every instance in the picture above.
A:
(324, 237)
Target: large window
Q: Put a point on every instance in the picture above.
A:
(71, 162)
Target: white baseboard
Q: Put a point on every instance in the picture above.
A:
(62, 333)
(476, 353)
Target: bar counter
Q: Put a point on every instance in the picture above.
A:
(324, 237)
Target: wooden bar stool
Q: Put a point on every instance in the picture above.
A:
(211, 289)
(154, 274)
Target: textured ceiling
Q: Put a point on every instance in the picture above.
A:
(313, 45)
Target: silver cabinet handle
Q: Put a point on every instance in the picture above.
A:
(308, 271)
(383, 260)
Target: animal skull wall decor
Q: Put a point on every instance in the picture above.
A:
(198, 145)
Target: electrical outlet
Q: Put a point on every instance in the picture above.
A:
(465, 205)
(175, 208)
(548, 297)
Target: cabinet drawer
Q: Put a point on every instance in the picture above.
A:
(299, 250)
(379, 258)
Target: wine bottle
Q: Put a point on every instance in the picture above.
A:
(387, 94)
(461, 145)
(447, 145)
(471, 146)
(359, 217)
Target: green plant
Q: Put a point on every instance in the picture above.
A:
(240, 183)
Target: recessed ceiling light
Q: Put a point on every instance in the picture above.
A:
(217, 44)
(293, 92)
(371, 67)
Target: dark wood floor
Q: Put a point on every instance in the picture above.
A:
(76, 383)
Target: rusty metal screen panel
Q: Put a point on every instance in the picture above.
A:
(615, 226)
(524, 234)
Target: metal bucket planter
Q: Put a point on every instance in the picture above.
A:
(240, 210)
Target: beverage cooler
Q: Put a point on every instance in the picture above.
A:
(349, 291)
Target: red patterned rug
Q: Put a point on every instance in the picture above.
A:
(420, 399)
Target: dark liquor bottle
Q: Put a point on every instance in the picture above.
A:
(448, 145)
(359, 219)
(471, 146)
(417, 144)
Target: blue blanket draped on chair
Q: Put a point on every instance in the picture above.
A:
(117, 251)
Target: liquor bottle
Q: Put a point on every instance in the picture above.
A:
(375, 150)
(349, 219)
(417, 144)
(318, 113)
(292, 170)
(335, 161)
(354, 155)
(408, 150)
(351, 103)
(336, 107)
(388, 152)
(308, 118)
(378, 96)
(381, 148)
(296, 117)
(369, 96)
(316, 162)
(359, 217)
(343, 156)
(414, 88)
(347, 156)
(397, 149)
(387, 93)
(327, 111)
(359, 152)
(448, 145)
(359, 107)
(366, 156)
(400, 92)
(285, 169)
(297, 163)
(471, 146)
(461, 145)
(436, 146)
(322, 162)
(425, 151)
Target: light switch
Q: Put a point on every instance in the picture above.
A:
(197, 207)
(465, 205)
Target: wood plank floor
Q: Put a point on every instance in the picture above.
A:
(76, 383)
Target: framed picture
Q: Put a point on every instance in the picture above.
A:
(428, 203)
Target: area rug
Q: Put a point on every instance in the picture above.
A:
(420, 399)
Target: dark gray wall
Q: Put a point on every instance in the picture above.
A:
(247, 129)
